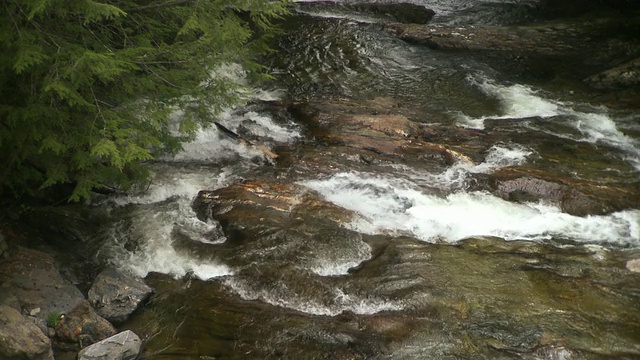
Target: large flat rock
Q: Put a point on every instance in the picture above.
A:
(20, 338)
(31, 281)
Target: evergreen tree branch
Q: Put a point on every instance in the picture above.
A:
(161, 78)
(160, 5)
(68, 65)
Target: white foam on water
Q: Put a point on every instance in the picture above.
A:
(154, 229)
(339, 302)
(520, 101)
(262, 126)
(161, 211)
(164, 208)
(517, 102)
(600, 128)
(498, 156)
(169, 182)
(340, 261)
(389, 205)
(211, 146)
(523, 102)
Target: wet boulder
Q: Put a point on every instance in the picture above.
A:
(622, 76)
(575, 37)
(573, 196)
(81, 326)
(264, 205)
(268, 223)
(382, 130)
(116, 295)
(20, 338)
(377, 125)
(31, 280)
(123, 346)
(494, 38)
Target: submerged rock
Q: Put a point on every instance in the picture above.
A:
(116, 295)
(621, 76)
(123, 346)
(20, 338)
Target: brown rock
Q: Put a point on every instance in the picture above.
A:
(382, 127)
(81, 326)
(265, 202)
(21, 339)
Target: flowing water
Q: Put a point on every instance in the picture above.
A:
(428, 268)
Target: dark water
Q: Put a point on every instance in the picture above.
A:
(431, 269)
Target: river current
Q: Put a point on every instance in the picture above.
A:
(420, 293)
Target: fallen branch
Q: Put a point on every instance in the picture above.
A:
(241, 139)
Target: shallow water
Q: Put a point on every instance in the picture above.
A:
(426, 267)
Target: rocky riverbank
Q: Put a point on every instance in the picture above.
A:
(42, 314)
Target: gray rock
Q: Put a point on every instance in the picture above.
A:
(116, 295)
(20, 338)
(123, 346)
(30, 280)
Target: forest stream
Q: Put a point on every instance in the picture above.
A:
(396, 199)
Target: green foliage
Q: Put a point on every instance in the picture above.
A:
(53, 319)
(89, 89)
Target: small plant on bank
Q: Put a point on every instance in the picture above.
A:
(53, 319)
